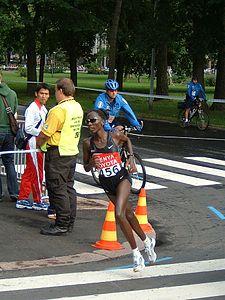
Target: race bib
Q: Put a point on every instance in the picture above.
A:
(110, 163)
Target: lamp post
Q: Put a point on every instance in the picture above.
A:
(53, 62)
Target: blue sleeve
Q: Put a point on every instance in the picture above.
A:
(189, 91)
(129, 113)
(99, 102)
(202, 93)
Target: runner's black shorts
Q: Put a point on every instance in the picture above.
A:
(109, 184)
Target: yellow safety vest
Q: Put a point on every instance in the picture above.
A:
(70, 133)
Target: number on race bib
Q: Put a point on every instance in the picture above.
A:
(110, 171)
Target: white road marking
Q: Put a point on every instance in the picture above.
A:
(208, 160)
(195, 181)
(186, 166)
(193, 291)
(87, 189)
(148, 186)
(90, 277)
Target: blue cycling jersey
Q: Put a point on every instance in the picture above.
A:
(114, 108)
(195, 90)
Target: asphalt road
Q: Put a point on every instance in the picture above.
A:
(188, 229)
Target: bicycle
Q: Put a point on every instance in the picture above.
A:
(197, 112)
(138, 178)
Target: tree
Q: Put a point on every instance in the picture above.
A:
(113, 39)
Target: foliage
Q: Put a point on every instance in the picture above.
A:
(93, 68)
(22, 71)
(210, 80)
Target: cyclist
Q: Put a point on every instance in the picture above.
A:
(113, 103)
(194, 91)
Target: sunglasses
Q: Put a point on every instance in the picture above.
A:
(112, 91)
(91, 120)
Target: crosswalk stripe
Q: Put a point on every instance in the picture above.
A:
(186, 166)
(193, 291)
(87, 189)
(148, 185)
(208, 160)
(190, 180)
(90, 277)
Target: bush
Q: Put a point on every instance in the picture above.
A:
(22, 71)
(210, 80)
(93, 68)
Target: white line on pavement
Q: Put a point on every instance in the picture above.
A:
(208, 160)
(148, 185)
(194, 291)
(195, 181)
(72, 279)
(186, 166)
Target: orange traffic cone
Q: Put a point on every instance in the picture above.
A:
(141, 212)
(108, 239)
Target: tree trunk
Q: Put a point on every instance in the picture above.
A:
(161, 70)
(198, 67)
(31, 64)
(42, 67)
(120, 63)
(220, 81)
(120, 68)
(220, 77)
(42, 52)
(113, 39)
(73, 65)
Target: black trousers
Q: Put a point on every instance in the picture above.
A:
(60, 176)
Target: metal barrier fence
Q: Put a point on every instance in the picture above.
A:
(19, 158)
(20, 162)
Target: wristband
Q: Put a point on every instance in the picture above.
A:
(130, 155)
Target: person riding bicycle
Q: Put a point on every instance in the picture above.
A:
(113, 103)
(194, 91)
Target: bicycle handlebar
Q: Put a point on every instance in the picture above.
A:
(132, 128)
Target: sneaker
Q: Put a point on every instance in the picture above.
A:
(54, 230)
(186, 123)
(24, 204)
(45, 199)
(149, 249)
(40, 206)
(52, 216)
(139, 263)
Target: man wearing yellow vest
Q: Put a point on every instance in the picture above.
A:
(60, 136)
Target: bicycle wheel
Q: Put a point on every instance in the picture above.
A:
(95, 175)
(138, 178)
(181, 118)
(202, 120)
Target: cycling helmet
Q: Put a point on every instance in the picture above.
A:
(111, 84)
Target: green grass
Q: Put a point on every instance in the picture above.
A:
(161, 110)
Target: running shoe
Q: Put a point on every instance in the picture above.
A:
(24, 204)
(52, 216)
(149, 249)
(40, 206)
(45, 199)
(139, 263)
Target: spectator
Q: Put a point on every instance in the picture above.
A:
(60, 135)
(102, 152)
(194, 90)
(113, 103)
(32, 178)
(7, 140)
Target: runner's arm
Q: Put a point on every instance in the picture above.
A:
(89, 161)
